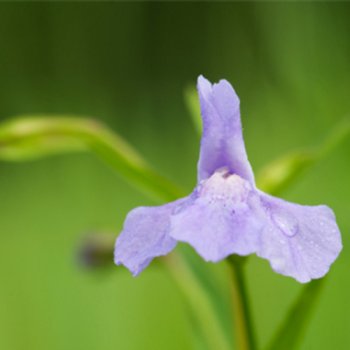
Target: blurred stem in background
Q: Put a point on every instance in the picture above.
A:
(203, 298)
(34, 137)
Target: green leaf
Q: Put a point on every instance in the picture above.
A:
(293, 328)
(281, 173)
(32, 137)
(191, 100)
(274, 178)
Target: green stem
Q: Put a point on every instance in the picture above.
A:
(199, 300)
(243, 321)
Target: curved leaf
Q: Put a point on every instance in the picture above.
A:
(290, 333)
(33, 137)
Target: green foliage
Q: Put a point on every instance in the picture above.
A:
(295, 325)
(125, 63)
(274, 178)
(191, 99)
(31, 137)
(278, 175)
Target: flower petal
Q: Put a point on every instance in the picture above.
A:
(299, 241)
(222, 217)
(222, 142)
(145, 235)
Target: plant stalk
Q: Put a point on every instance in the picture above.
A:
(243, 322)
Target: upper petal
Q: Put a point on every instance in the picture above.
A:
(145, 235)
(222, 142)
(222, 217)
(299, 241)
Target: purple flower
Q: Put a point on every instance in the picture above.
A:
(226, 214)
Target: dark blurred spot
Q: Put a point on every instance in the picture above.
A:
(95, 251)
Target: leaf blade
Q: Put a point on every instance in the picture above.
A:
(292, 329)
(33, 137)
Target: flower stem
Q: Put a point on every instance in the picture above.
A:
(243, 322)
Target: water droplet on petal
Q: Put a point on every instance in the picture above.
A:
(286, 222)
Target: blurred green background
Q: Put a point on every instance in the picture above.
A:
(128, 65)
